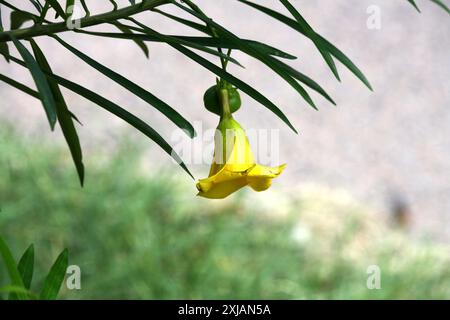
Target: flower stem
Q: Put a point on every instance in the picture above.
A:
(224, 104)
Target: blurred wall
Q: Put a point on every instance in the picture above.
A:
(393, 143)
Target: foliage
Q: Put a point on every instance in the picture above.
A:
(22, 274)
(215, 39)
(140, 236)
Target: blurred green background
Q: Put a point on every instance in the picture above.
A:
(142, 235)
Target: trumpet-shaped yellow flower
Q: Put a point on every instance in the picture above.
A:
(233, 166)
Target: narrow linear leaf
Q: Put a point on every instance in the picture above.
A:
(305, 79)
(1, 21)
(344, 60)
(10, 265)
(189, 23)
(19, 86)
(196, 46)
(29, 91)
(139, 43)
(114, 5)
(42, 85)
(14, 290)
(160, 105)
(55, 278)
(69, 7)
(37, 5)
(57, 7)
(4, 50)
(414, 5)
(63, 113)
(85, 8)
(124, 115)
(312, 35)
(227, 76)
(319, 39)
(18, 18)
(219, 42)
(264, 58)
(44, 13)
(26, 266)
(190, 40)
(116, 110)
(442, 5)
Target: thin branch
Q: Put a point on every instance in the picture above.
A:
(42, 30)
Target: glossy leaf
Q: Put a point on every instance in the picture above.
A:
(312, 35)
(116, 110)
(160, 105)
(63, 113)
(57, 7)
(442, 5)
(414, 4)
(264, 58)
(11, 268)
(18, 18)
(26, 266)
(140, 43)
(37, 5)
(42, 85)
(55, 278)
(319, 39)
(19, 86)
(225, 75)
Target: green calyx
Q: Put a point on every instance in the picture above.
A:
(213, 102)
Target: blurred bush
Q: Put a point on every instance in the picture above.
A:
(139, 235)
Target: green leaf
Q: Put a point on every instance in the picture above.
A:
(10, 264)
(195, 46)
(4, 50)
(14, 290)
(223, 74)
(305, 79)
(344, 60)
(312, 35)
(223, 43)
(125, 115)
(43, 13)
(42, 85)
(319, 40)
(86, 8)
(1, 21)
(69, 4)
(37, 5)
(194, 42)
(19, 86)
(140, 43)
(116, 110)
(63, 113)
(164, 108)
(18, 18)
(55, 277)
(26, 266)
(442, 5)
(56, 6)
(414, 4)
(114, 5)
(264, 58)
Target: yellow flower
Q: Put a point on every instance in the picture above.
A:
(233, 166)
